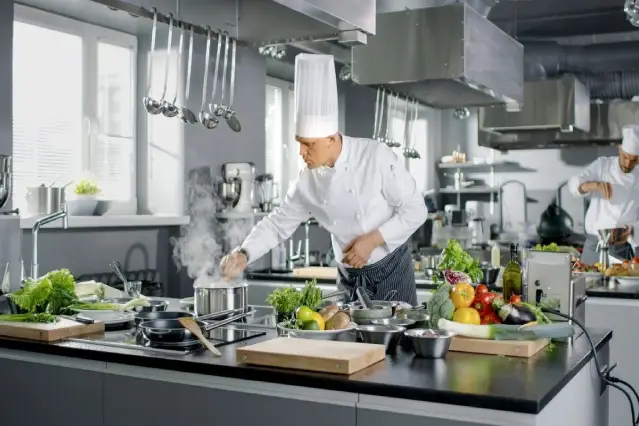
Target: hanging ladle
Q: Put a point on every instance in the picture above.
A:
(382, 103)
(231, 118)
(389, 122)
(206, 118)
(376, 113)
(396, 143)
(413, 152)
(185, 113)
(407, 130)
(163, 101)
(151, 105)
(216, 70)
(220, 109)
(170, 109)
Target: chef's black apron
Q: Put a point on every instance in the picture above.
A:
(394, 272)
(590, 255)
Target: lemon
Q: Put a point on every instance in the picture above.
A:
(304, 313)
(319, 320)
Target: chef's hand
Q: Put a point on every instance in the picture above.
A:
(604, 188)
(358, 251)
(233, 265)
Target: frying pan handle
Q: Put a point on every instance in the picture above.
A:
(219, 314)
(209, 327)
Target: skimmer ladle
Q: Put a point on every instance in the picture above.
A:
(207, 119)
(151, 105)
(220, 109)
(170, 109)
(163, 101)
(185, 113)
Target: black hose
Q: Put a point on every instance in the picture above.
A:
(605, 376)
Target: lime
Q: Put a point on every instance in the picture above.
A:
(318, 319)
(311, 325)
(304, 313)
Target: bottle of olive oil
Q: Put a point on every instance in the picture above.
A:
(512, 275)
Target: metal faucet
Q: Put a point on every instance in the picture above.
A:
(62, 214)
(501, 202)
(292, 256)
(307, 241)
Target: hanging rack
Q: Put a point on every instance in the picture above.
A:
(139, 11)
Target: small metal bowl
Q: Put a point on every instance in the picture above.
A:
(398, 322)
(429, 343)
(387, 335)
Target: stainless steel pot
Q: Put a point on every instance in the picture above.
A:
(209, 300)
(44, 200)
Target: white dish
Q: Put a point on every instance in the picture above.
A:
(104, 316)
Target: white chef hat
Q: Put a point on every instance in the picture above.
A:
(316, 106)
(630, 143)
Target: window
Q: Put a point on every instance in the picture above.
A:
(282, 152)
(411, 135)
(73, 105)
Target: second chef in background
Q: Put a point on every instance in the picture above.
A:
(357, 189)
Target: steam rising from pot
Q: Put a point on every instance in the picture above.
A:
(200, 248)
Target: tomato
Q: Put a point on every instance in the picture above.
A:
(484, 303)
(467, 316)
(626, 262)
(515, 298)
(491, 318)
(462, 295)
(481, 288)
(635, 260)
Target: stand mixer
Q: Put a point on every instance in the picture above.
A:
(236, 187)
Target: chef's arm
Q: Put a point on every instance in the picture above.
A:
(400, 190)
(586, 181)
(277, 227)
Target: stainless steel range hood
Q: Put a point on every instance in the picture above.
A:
(606, 123)
(561, 105)
(446, 57)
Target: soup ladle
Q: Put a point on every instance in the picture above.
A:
(152, 106)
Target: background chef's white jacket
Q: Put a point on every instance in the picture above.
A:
(623, 208)
(368, 188)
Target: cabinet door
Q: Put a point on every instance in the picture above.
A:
(131, 400)
(368, 417)
(41, 394)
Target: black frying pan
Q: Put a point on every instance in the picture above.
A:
(171, 331)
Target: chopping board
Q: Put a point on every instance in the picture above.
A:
(517, 348)
(316, 272)
(63, 329)
(312, 355)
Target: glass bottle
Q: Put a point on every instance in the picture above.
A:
(512, 275)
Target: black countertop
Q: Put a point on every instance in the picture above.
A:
(484, 381)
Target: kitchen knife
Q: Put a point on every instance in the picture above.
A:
(79, 318)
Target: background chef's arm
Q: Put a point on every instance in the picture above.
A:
(400, 190)
(277, 227)
(592, 173)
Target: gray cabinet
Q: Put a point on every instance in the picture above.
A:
(138, 401)
(42, 394)
(621, 316)
(368, 417)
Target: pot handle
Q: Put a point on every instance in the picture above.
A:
(209, 327)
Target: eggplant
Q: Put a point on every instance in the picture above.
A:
(516, 314)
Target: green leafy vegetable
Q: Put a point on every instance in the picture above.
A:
(440, 306)
(41, 318)
(549, 247)
(34, 296)
(63, 291)
(455, 258)
(285, 300)
(311, 295)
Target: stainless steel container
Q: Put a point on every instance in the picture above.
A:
(430, 343)
(209, 300)
(387, 335)
(44, 200)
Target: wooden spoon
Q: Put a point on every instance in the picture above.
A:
(191, 325)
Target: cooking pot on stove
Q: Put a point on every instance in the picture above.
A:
(211, 296)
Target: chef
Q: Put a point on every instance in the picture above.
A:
(357, 189)
(611, 183)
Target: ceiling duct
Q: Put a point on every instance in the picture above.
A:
(445, 57)
(561, 105)
(606, 123)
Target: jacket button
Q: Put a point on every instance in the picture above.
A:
(358, 216)
(350, 190)
(323, 202)
(334, 222)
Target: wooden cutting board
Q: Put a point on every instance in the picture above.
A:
(522, 349)
(316, 272)
(63, 329)
(312, 355)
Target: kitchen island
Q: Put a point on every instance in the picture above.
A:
(71, 383)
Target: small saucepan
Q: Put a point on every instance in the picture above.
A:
(166, 331)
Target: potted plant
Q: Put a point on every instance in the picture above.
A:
(85, 201)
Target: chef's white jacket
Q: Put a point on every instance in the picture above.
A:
(368, 188)
(623, 207)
